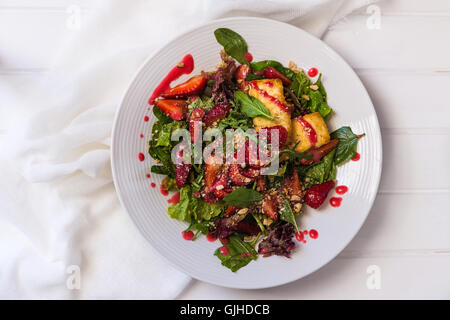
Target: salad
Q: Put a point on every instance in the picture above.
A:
(245, 147)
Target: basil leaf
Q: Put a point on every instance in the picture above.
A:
(287, 214)
(346, 149)
(240, 254)
(233, 44)
(251, 106)
(242, 197)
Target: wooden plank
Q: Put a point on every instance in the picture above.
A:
(401, 278)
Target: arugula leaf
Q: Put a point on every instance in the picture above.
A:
(233, 44)
(240, 254)
(287, 214)
(160, 170)
(242, 197)
(190, 208)
(346, 149)
(251, 106)
(261, 65)
(236, 120)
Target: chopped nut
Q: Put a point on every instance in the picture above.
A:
(267, 221)
(295, 198)
(297, 207)
(294, 67)
(314, 87)
(219, 187)
(306, 97)
(243, 211)
(180, 65)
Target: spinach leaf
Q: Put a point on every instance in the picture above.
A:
(240, 254)
(251, 106)
(190, 208)
(322, 171)
(160, 170)
(261, 65)
(346, 149)
(236, 120)
(242, 197)
(287, 214)
(233, 44)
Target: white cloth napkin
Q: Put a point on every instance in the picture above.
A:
(60, 220)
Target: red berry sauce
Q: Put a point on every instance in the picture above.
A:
(335, 201)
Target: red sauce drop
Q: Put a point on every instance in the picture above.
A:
(335, 201)
(248, 56)
(309, 130)
(148, 175)
(175, 198)
(341, 189)
(141, 156)
(224, 251)
(299, 236)
(267, 96)
(313, 234)
(225, 241)
(269, 84)
(185, 66)
(153, 185)
(187, 235)
(141, 135)
(313, 72)
(356, 157)
(146, 118)
(210, 237)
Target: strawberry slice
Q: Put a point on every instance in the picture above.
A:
(272, 73)
(282, 134)
(231, 210)
(192, 87)
(218, 112)
(195, 120)
(181, 170)
(236, 177)
(319, 153)
(176, 109)
(242, 71)
(261, 183)
(293, 187)
(212, 170)
(269, 208)
(317, 194)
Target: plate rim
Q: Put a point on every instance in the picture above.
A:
(161, 49)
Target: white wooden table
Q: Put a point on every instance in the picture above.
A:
(405, 65)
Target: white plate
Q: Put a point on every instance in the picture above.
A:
(267, 39)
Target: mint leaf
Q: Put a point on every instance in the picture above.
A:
(346, 149)
(240, 254)
(242, 197)
(251, 106)
(233, 44)
(287, 214)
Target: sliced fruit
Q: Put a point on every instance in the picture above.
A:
(272, 73)
(293, 187)
(192, 87)
(236, 177)
(195, 123)
(242, 71)
(261, 183)
(269, 208)
(176, 109)
(282, 134)
(212, 171)
(231, 210)
(317, 194)
(218, 112)
(219, 188)
(319, 153)
(181, 170)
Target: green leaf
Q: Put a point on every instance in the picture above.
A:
(160, 170)
(233, 44)
(190, 208)
(240, 254)
(242, 197)
(161, 116)
(322, 171)
(251, 106)
(261, 65)
(287, 214)
(346, 149)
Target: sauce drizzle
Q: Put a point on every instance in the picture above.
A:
(309, 130)
(267, 96)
